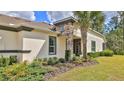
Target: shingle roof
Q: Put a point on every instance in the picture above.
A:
(7, 20)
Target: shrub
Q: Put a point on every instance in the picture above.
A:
(35, 64)
(56, 60)
(45, 59)
(49, 68)
(120, 52)
(13, 59)
(14, 71)
(5, 61)
(61, 60)
(24, 72)
(74, 57)
(34, 73)
(107, 52)
(67, 55)
(77, 59)
(40, 61)
(94, 55)
(52, 61)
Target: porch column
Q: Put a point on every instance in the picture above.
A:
(70, 44)
(69, 34)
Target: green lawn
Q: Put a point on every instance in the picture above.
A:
(110, 68)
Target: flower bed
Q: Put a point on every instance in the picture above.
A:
(39, 69)
(66, 67)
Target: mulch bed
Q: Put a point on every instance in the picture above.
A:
(64, 67)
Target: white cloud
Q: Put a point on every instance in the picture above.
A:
(29, 15)
(57, 15)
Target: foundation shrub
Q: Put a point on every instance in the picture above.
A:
(94, 55)
(67, 55)
(61, 60)
(107, 52)
(78, 59)
(13, 59)
(53, 61)
(5, 61)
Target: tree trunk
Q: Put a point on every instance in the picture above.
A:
(84, 41)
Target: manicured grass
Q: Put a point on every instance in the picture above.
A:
(109, 68)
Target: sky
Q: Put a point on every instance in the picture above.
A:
(48, 16)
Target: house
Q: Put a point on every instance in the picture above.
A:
(28, 40)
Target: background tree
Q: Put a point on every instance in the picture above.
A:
(97, 19)
(115, 35)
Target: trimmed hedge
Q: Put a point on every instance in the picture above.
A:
(106, 52)
(96, 54)
(5, 61)
(119, 52)
(67, 55)
(52, 61)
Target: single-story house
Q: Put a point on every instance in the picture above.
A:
(28, 40)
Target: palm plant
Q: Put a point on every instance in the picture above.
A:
(85, 21)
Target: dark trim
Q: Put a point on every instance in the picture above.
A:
(25, 28)
(16, 29)
(55, 45)
(15, 51)
(65, 20)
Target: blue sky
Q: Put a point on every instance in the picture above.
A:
(42, 16)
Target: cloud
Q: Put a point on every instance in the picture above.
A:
(57, 15)
(29, 15)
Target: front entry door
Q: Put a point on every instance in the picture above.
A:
(77, 46)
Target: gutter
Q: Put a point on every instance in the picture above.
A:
(98, 34)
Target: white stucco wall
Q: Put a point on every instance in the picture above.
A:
(61, 47)
(99, 42)
(38, 43)
(8, 41)
(92, 36)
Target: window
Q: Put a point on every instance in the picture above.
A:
(62, 28)
(93, 46)
(103, 46)
(52, 45)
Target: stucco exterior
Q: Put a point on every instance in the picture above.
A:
(9, 41)
(99, 42)
(38, 43)
(37, 40)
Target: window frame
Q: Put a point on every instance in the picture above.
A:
(93, 47)
(53, 46)
(62, 28)
(103, 46)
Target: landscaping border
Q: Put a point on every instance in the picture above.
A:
(66, 67)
